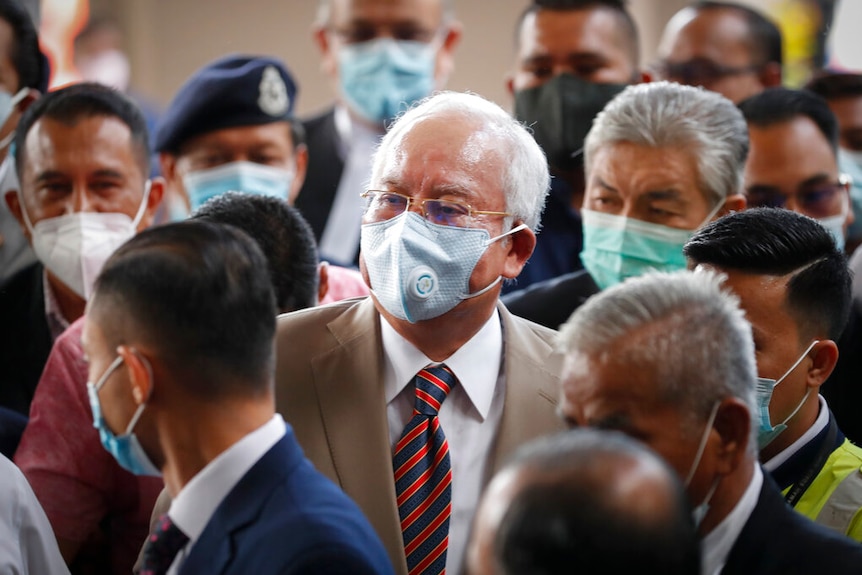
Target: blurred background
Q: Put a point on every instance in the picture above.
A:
(166, 40)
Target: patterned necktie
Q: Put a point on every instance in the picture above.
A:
(423, 476)
(162, 546)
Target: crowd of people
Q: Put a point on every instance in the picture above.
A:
(613, 329)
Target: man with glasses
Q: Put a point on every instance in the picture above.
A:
(724, 47)
(381, 56)
(793, 160)
(455, 195)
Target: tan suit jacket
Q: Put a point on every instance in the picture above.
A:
(329, 387)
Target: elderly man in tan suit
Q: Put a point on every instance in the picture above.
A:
(411, 399)
(456, 192)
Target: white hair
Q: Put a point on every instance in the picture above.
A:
(525, 180)
(665, 114)
(700, 349)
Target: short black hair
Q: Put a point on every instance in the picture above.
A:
(199, 294)
(780, 105)
(777, 242)
(569, 520)
(283, 235)
(836, 85)
(618, 7)
(764, 35)
(27, 59)
(73, 103)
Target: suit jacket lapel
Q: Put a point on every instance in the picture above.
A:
(211, 553)
(532, 386)
(349, 384)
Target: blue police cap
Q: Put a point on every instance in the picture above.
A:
(230, 92)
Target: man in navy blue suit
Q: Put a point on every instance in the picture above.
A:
(179, 340)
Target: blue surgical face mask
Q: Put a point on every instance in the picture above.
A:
(380, 78)
(419, 270)
(765, 386)
(125, 448)
(246, 177)
(618, 247)
(699, 512)
(835, 224)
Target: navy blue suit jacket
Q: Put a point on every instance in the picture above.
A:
(779, 541)
(285, 517)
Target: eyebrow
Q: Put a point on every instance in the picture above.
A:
(665, 194)
(606, 185)
(813, 180)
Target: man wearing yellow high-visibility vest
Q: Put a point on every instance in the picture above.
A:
(794, 286)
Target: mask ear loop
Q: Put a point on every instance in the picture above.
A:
(143, 207)
(485, 289)
(140, 410)
(702, 445)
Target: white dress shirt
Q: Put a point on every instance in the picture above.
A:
(819, 425)
(469, 416)
(340, 238)
(717, 544)
(194, 506)
(27, 543)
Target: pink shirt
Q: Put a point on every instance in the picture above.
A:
(344, 283)
(87, 496)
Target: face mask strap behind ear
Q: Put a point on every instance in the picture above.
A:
(712, 213)
(143, 405)
(143, 207)
(514, 230)
(702, 446)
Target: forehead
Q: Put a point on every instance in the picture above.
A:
(93, 142)
(384, 12)
(761, 297)
(595, 30)
(605, 382)
(448, 153)
(635, 168)
(788, 152)
(717, 34)
(240, 137)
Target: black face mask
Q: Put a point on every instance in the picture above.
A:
(561, 113)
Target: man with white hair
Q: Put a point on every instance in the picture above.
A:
(456, 191)
(669, 359)
(661, 161)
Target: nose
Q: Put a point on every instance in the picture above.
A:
(81, 200)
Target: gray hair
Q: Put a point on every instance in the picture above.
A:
(324, 7)
(525, 180)
(700, 347)
(665, 114)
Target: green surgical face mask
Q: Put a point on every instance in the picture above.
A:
(560, 112)
(617, 247)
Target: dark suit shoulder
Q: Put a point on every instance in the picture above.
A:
(779, 541)
(551, 302)
(324, 118)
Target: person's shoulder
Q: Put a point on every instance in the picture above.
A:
(319, 119)
(551, 302)
(319, 315)
(22, 283)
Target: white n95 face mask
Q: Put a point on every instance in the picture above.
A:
(75, 246)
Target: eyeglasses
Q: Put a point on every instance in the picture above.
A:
(381, 206)
(816, 200)
(699, 72)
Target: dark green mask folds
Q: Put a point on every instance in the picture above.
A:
(561, 112)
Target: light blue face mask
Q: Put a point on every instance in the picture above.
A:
(246, 177)
(125, 448)
(419, 270)
(382, 77)
(767, 433)
(618, 247)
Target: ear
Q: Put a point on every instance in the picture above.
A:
(328, 60)
(733, 203)
(521, 246)
(173, 180)
(323, 281)
(732, 424)
(300, 158)
(509, 82)
(140, 373)
(770, 75)
(157, 190)
(445, 56)
(824, 356)
(14, 204)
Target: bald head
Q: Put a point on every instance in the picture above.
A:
(587, 500)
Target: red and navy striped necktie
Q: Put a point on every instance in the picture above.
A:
(423, 475)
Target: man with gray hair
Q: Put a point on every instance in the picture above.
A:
(661, 161)
(668, 358)
(457, 187)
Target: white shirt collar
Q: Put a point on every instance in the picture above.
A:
(717, 544)
(194, 505)
(819, 425)
(476, 364)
